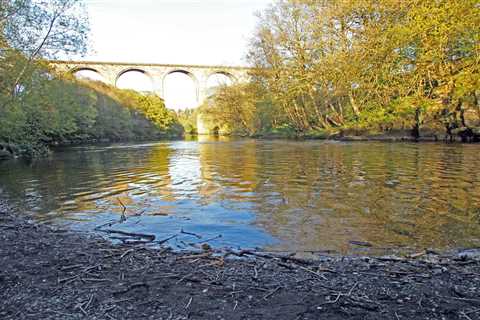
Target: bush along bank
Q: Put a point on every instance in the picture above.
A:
(50, 111)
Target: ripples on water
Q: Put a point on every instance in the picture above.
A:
(283, 195)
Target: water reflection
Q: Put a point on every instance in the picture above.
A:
(283, 195)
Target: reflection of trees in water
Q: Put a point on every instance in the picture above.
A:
(322, 196)
(228, 170)
(141, 174)
(88, 180)
(313, 195)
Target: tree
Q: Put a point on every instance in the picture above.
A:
(39, 29)
(368, 63)
(238, 108)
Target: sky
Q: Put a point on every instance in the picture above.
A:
(208, 32)
(204, 32)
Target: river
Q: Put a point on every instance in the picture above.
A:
(339, 197)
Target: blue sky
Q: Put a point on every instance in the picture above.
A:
(172, 31)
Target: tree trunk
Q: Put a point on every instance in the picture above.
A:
(416, 127)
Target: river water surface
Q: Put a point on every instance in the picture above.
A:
(276, 195)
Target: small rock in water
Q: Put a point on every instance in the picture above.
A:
(469, 254)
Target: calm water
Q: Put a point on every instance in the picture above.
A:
(279, 195)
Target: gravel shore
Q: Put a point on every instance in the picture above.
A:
(47, 273)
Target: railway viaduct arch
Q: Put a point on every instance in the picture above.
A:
(110, 73)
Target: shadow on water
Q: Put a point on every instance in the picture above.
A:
(282, 195)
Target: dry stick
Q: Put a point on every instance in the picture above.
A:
(167, 239)
(465, 315)
(149, 237)
(271, 293)
(70, 279)
(351, 290)
(461, 299)
(123, 217)
(191, 234)
(120, 301)
(211, 239)
(108, 224)
(79, 306)
(189, 303)
(472, 311)
(291, 259)
(67, 280)
(91, 268)
(89, 302)
(275, 257)
(109, 316)
(196, 256)
(313, 272)
(96, 280)
(126, 252)
(184, 277)
(343, 294)
(66, 268)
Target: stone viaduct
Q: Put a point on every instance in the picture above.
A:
(110, 72)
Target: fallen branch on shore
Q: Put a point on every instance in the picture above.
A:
(149, 237)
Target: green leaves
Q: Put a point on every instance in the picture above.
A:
(45, 29)
(50, 109)
(394, 62)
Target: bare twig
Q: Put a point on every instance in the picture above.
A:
(167, 239)
(211, 239)
(126, 252)
(265, 297)
(313, 272)
(191, 234)
(149, 237)
(189, 303)
(89, 302)
(123, 218)
(463, 314)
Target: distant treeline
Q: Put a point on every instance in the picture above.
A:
(40, 108)
(359, 67)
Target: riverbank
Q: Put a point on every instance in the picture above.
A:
(10, 151)
(49, 273)
(428, 135)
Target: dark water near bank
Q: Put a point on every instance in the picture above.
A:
(281, 195)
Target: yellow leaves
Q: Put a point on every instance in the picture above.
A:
(401, 54)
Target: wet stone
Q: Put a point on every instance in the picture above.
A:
(470, 254)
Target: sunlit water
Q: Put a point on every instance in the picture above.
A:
(276, 195)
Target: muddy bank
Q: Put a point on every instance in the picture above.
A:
(48, 273)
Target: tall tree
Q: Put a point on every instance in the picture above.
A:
(377, 63)
(41, 29)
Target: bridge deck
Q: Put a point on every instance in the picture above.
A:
(130, 64)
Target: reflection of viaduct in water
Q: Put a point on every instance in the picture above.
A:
(110, 72)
